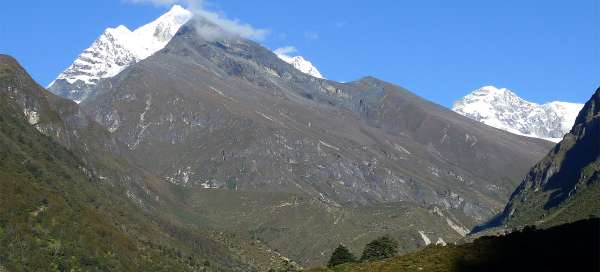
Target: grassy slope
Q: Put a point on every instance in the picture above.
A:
(570, 247)
(53, 217)
(303, 228)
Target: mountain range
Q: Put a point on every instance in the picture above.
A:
(503, 109)
(554, 207)
(187, 152)
(228, 114)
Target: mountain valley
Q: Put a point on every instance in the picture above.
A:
(183, 145)
(233, 116)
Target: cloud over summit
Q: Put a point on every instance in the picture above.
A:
(221, 25)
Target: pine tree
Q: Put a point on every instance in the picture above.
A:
(340, 255)
(380, 248)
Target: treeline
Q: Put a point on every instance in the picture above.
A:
(381, 248)
(378, 249)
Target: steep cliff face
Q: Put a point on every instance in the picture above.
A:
(564, 186)
(228, 114)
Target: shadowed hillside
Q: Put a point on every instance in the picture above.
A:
(570, 247)
(565, 185)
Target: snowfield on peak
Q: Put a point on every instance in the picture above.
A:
(115, 50)
(118, 48)
(301, 64)
(503, 109)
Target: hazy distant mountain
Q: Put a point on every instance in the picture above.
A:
(503, 109)
(114, 50)
(565, 185)
(259, 147)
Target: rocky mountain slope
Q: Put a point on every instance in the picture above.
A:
(564, 186)
(61, 211)
(113, 51)
(503, 109)
(62, 120)
(71, 173)
(229, 116)
(53, 216)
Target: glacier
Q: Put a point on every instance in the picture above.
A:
(503, 109)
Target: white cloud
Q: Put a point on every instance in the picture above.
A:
(219, 25)
(286, 51)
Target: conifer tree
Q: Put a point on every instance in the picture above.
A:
(340, 255)
(380, 248)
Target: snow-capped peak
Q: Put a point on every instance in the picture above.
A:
(300, 63)
(120, 30)
(503, 109)
(494, 91)
(115, 50)
(155, 35)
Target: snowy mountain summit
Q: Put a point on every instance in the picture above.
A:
(301, 64)
(503, 109)
(115, 50)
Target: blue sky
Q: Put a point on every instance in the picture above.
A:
(441, 50)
